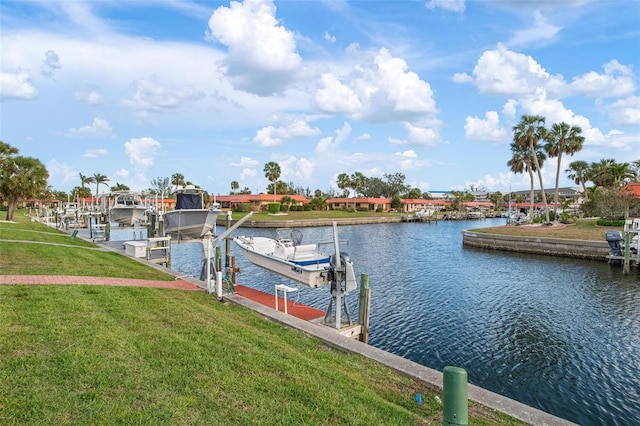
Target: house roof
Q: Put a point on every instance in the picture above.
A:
(634, 188)
(368, 200)
(251, 198)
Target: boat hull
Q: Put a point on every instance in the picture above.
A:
(190, 223)
(308, 272)
(127, 216)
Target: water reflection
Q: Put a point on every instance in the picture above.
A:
(562, 335)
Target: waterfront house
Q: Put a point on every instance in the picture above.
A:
(258, 202)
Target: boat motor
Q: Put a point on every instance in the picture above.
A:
(615, 240)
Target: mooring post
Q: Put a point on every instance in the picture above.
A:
(455, 402)
(363, 307)
(218, 259)
(627, 253)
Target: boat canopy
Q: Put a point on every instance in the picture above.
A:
(188, 201)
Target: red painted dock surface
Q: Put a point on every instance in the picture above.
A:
(294, 308)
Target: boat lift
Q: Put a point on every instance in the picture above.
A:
(343, 280)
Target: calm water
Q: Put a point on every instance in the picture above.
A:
(562, 335)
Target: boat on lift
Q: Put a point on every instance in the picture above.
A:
(191, 219)
(284, 255)
(126, 208)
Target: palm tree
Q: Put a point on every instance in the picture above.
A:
(21, 177)
(234, 186)
(578, 172)
(272, 172)
(358, 181)
(177, 179)
(527, 133)
(562, 139)
(522, 161)
(622, 174)
(6, 150)
(600, 173)
(100, 180)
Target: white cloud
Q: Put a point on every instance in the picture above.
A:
(409, 153)
(274, 136)
(50, 64)
(379, 89)
(16, 85)
(150, 96)
(505, 72)
(421, 134)
(509, 109)
(336, 97)
(452, 5)
(248, 174)
(98, 127)
(330, 38)
(95, 153)
(485, 130)
(62, 172)
(122, 173)
(540, 30)
(616, 81)
(88, 96)
(262, 54)
(246, 162)
(625, 111)
(363, 137)
(330, 144)
(142, 151)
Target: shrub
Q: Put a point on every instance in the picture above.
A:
(273, 208)
(242, 208)
(610, 222)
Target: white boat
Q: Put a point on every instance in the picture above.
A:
(285, 256)
(126, 208)
(475, 214)
(190, 219)
(424, 213)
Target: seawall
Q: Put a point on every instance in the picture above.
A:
(313, 222)
(582, 249)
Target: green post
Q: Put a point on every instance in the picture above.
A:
(454, 397)
(107, 231)
(364, 286)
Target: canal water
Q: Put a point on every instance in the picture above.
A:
(561, 335)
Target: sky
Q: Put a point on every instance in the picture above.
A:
(137, 90)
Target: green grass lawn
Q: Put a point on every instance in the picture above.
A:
(123, 355)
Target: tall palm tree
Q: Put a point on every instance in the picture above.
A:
(578, 172)
(358, 181)
(234, 186)
(562, 139)
(177, 179)
(522, 161)
(272, 172)
(100, 180)
(86, 180)
(21, 177)
(528, 133)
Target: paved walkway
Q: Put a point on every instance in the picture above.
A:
(71, 279)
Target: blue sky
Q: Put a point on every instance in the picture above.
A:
(136, 90)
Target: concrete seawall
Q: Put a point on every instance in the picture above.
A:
(582, 249)
(313, 222)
